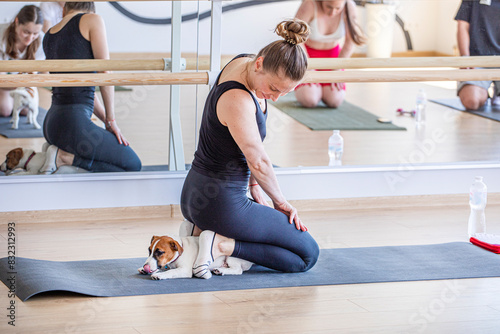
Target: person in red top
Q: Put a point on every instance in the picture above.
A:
(330, 23)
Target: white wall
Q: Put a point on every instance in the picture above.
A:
(446, 41)
(430, 23)
(107, 190)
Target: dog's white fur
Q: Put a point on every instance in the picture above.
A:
(25, 97)
(17, 159)
(179, 255)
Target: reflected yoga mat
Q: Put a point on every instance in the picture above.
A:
(346, 117)
(335, 266)
(488, 110)
(24, 130)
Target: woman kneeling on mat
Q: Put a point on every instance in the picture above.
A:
(231, 157)
(75, 140)
(330, 22)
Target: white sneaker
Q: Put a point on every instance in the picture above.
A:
(45, 146)
(495, 101)
(50, 165)
(186, 229)
(201, 267)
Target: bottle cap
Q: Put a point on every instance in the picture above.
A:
(384, 120)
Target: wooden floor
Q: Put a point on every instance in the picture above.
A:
(443, 306)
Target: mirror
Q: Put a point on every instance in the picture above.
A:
(449, 135)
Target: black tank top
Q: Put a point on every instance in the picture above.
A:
(68, 43)
(218, 155)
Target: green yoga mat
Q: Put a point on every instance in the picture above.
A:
(346, 117)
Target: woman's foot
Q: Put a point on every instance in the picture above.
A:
(495, 101)
(50, 165)
(188, 229)
(205, 258)
(211, 246)
(45, 147)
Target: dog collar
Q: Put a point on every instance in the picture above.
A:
(167, 266)
(29, 159)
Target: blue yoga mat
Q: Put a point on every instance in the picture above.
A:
(487, 111)
(119, 277)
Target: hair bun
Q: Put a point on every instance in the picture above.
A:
(294, 31)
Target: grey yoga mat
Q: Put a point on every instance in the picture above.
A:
(346, 117)
(25, 130)
(119, 277)
(488, 111)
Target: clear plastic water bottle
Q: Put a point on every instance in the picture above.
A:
(335, 148)
(477, 201)
(420, 105)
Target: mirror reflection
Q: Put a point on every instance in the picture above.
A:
(377, 120)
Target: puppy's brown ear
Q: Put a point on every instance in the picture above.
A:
(174, 245)
(13, 157)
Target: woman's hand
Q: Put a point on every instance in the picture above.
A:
(291, 212)
(112, 127)
(258, 195)
(340, 86)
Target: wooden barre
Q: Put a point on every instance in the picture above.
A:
(102, 79)
(204, 62)
(77, 65)
(402, 76)
(99, 65)
(403, 62)
(194, 78)
(98, 0)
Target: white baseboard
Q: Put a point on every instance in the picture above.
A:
(103, 190)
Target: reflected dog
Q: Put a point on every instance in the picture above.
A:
(25, 97)
(26, 159)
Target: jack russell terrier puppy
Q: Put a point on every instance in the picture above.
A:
(25, 97)
(28, 160)
(173, 257)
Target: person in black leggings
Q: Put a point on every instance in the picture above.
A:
(75, 140)
(230, 158)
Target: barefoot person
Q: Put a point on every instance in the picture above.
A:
(331, 23)
(478, 34)
(230, 158)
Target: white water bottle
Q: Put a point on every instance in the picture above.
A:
(335, 148)
(420, 105)
(477, 201)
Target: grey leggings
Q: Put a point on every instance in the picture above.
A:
(263, 235)
(69, 128)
